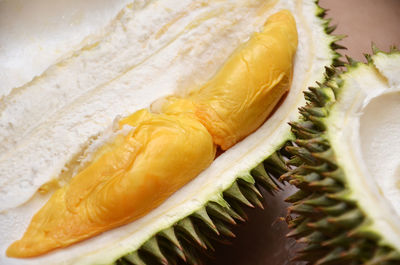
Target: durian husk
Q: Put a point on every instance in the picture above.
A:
(188, 239)
(322, 213)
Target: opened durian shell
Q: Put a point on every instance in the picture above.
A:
(205, 208)
(346, 165)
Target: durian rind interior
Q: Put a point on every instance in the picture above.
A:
(363, 128)
(313, 54)
(347, 165)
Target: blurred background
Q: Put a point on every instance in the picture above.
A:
(262, 240)
(365, 21)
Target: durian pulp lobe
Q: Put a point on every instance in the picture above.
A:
(126, 179)
(159, 153)
(239, 98)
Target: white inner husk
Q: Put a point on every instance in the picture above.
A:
(148, 51)
(365, 127)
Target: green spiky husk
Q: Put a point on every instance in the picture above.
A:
(324, 217)
(188, 238)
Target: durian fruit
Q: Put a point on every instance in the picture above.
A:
(155, 154)
(151, 49)
(346, 165)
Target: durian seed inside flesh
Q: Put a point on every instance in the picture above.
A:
(153, 155)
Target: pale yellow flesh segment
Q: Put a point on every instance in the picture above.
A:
(127, 178)
(245, 91)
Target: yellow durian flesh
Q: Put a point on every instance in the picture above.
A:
(159, 153)
(127, 178)
(239, 98)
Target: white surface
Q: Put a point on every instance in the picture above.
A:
(364, 128)
(36, 34)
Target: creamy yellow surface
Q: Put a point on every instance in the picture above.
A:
(126, 179)
(239, 98)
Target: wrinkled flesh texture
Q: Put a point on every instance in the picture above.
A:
(233, 103)
(125, 180)
(154, 154)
